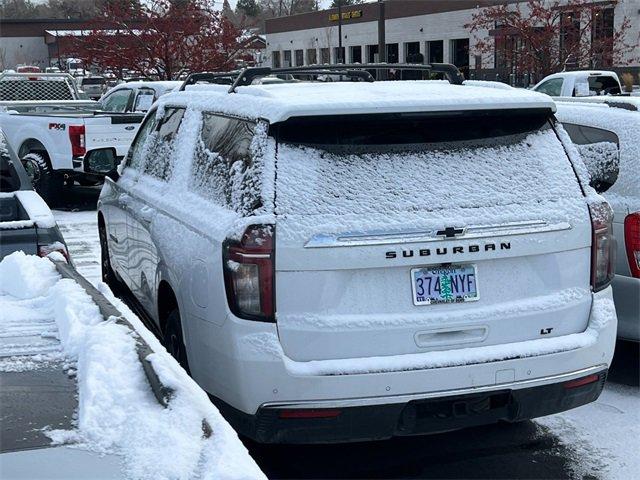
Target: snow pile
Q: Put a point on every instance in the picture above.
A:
(26, 276)
(37, 209)
(118, 412)
(28, 333)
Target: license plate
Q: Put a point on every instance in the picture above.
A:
(452, 284)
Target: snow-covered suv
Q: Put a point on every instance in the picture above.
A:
(349, 261)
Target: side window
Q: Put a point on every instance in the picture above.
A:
(161, 156)
(142, 140)
(224, 169)
(117, 101)
(551, 87)
(600, 151)
(144, 100)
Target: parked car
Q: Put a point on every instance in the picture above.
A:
(26, 222)
(590, 126)
(353, 261)
(94, 86)
(135, 96)
(51, 137)
(581, 83)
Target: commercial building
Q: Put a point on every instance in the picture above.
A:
(432, 29)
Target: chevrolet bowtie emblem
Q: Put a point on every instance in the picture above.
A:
(450, 232)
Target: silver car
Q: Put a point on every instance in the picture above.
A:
(593, 125)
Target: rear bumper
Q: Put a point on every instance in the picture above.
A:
(354, 420)
(240, 364)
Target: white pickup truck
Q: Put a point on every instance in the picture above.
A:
(581, 83)
(52, 129)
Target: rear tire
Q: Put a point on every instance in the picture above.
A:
(173, 340)
(44, 180)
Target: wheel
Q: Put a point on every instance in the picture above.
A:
(45, 181)
(108, 275)
(173, 340)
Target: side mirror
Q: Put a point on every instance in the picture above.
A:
(102, 161)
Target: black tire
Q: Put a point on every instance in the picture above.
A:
(173, 340)
(44, 180)
(108, 275)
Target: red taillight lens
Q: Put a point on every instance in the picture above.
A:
(76, 135)
(602, 246)
(632, 242)
(44, 250)
(581, 382)
(249, 273)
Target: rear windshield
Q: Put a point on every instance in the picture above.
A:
(415, 163)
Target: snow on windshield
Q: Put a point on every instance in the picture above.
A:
(527, 179)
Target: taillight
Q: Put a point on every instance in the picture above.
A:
(632, 242)
(44, 250)
(76, 135)
(249, 273)
(602, 246)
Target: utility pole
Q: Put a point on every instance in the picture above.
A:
(340, 59)
(382, 41)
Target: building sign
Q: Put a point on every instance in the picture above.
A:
(346, 15)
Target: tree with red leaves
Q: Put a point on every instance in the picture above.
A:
(541, 37)
(159, 38)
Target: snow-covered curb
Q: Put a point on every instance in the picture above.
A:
(118, 412)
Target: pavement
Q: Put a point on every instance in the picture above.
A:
(556, 447)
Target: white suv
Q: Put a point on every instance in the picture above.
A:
(350, 261)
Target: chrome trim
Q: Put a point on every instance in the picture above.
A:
(385, 237)
(389, 400)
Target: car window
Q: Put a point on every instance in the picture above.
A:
(603, 84)
(141, 142)
(600, 151)
(224, 169)
(117, 101)
(160, 156)
(144, 100)
(552, 87)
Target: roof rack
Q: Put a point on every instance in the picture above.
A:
(352, 71)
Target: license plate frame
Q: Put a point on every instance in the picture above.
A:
(433, 270)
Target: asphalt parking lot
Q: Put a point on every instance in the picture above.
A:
(556, 447)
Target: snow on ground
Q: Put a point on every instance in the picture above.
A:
(80, 231)
(118, 413)
(28, 332)
(604, 435)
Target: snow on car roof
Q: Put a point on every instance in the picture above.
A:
(278, 102)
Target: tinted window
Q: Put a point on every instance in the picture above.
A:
(600, 151)
(603, 85)
(117, 101)
(141, 142)
(224, 170)
(161, 153)
(551, 87)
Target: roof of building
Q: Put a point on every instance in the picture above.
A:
(278, 102)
